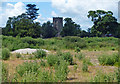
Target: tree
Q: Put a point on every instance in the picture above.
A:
(104, 22)
(32, 11)
(47, 30)
(70, 28)
(22, 26)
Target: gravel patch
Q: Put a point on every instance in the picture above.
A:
(27, 51)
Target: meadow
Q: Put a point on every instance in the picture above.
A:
(71, 59)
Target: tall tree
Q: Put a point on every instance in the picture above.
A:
(104, 22)
(70, 28)
(47, 30)
(22, 26)
(32, 11)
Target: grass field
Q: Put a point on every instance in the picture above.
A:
(71, 59)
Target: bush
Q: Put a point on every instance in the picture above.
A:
(72, 42)
(5, 54)
(52, 59)
(61, 71)
(108, 59)
(27, 67)
(40, 53)
(80, 56)
(18, 55)
(77, 49)
(68, 57)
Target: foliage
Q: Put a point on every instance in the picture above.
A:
(66, 56)
(27, 67)
(42, 63)
(5, 54)
(40, 53)
(29, 77)
(104, 22)
(87, 61)
(22, 26)
(72, 42)
(85, 67)
(32, 11)
(77, 49)
(52, 59)
(118, 74)
(98, 43)
(103, 77)
(108, 59)
(47, 30)
(18, 55)
(61, 71)
(80, 56)
(4, 73)
(70, 28)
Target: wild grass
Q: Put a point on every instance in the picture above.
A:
(69, 42)
(108, 59)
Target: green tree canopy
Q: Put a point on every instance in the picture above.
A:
(104, 22)
(47, 30)
(32, 11)
(22, 26)
(70, 28)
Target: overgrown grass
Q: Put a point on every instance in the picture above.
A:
(58, 43)
(4, 73)
(108, 59)
(103, 77)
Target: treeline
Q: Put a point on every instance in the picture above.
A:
(104, 23)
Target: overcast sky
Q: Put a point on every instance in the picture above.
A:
(76, 9)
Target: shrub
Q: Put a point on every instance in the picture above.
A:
(108, 59)
(40, 53)
(5, 54)
(77, 49)
(68, 57)
(27, 67)
(61, 71)
(52, 59)
(72, 42)
(80, 56)
(18, 55)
